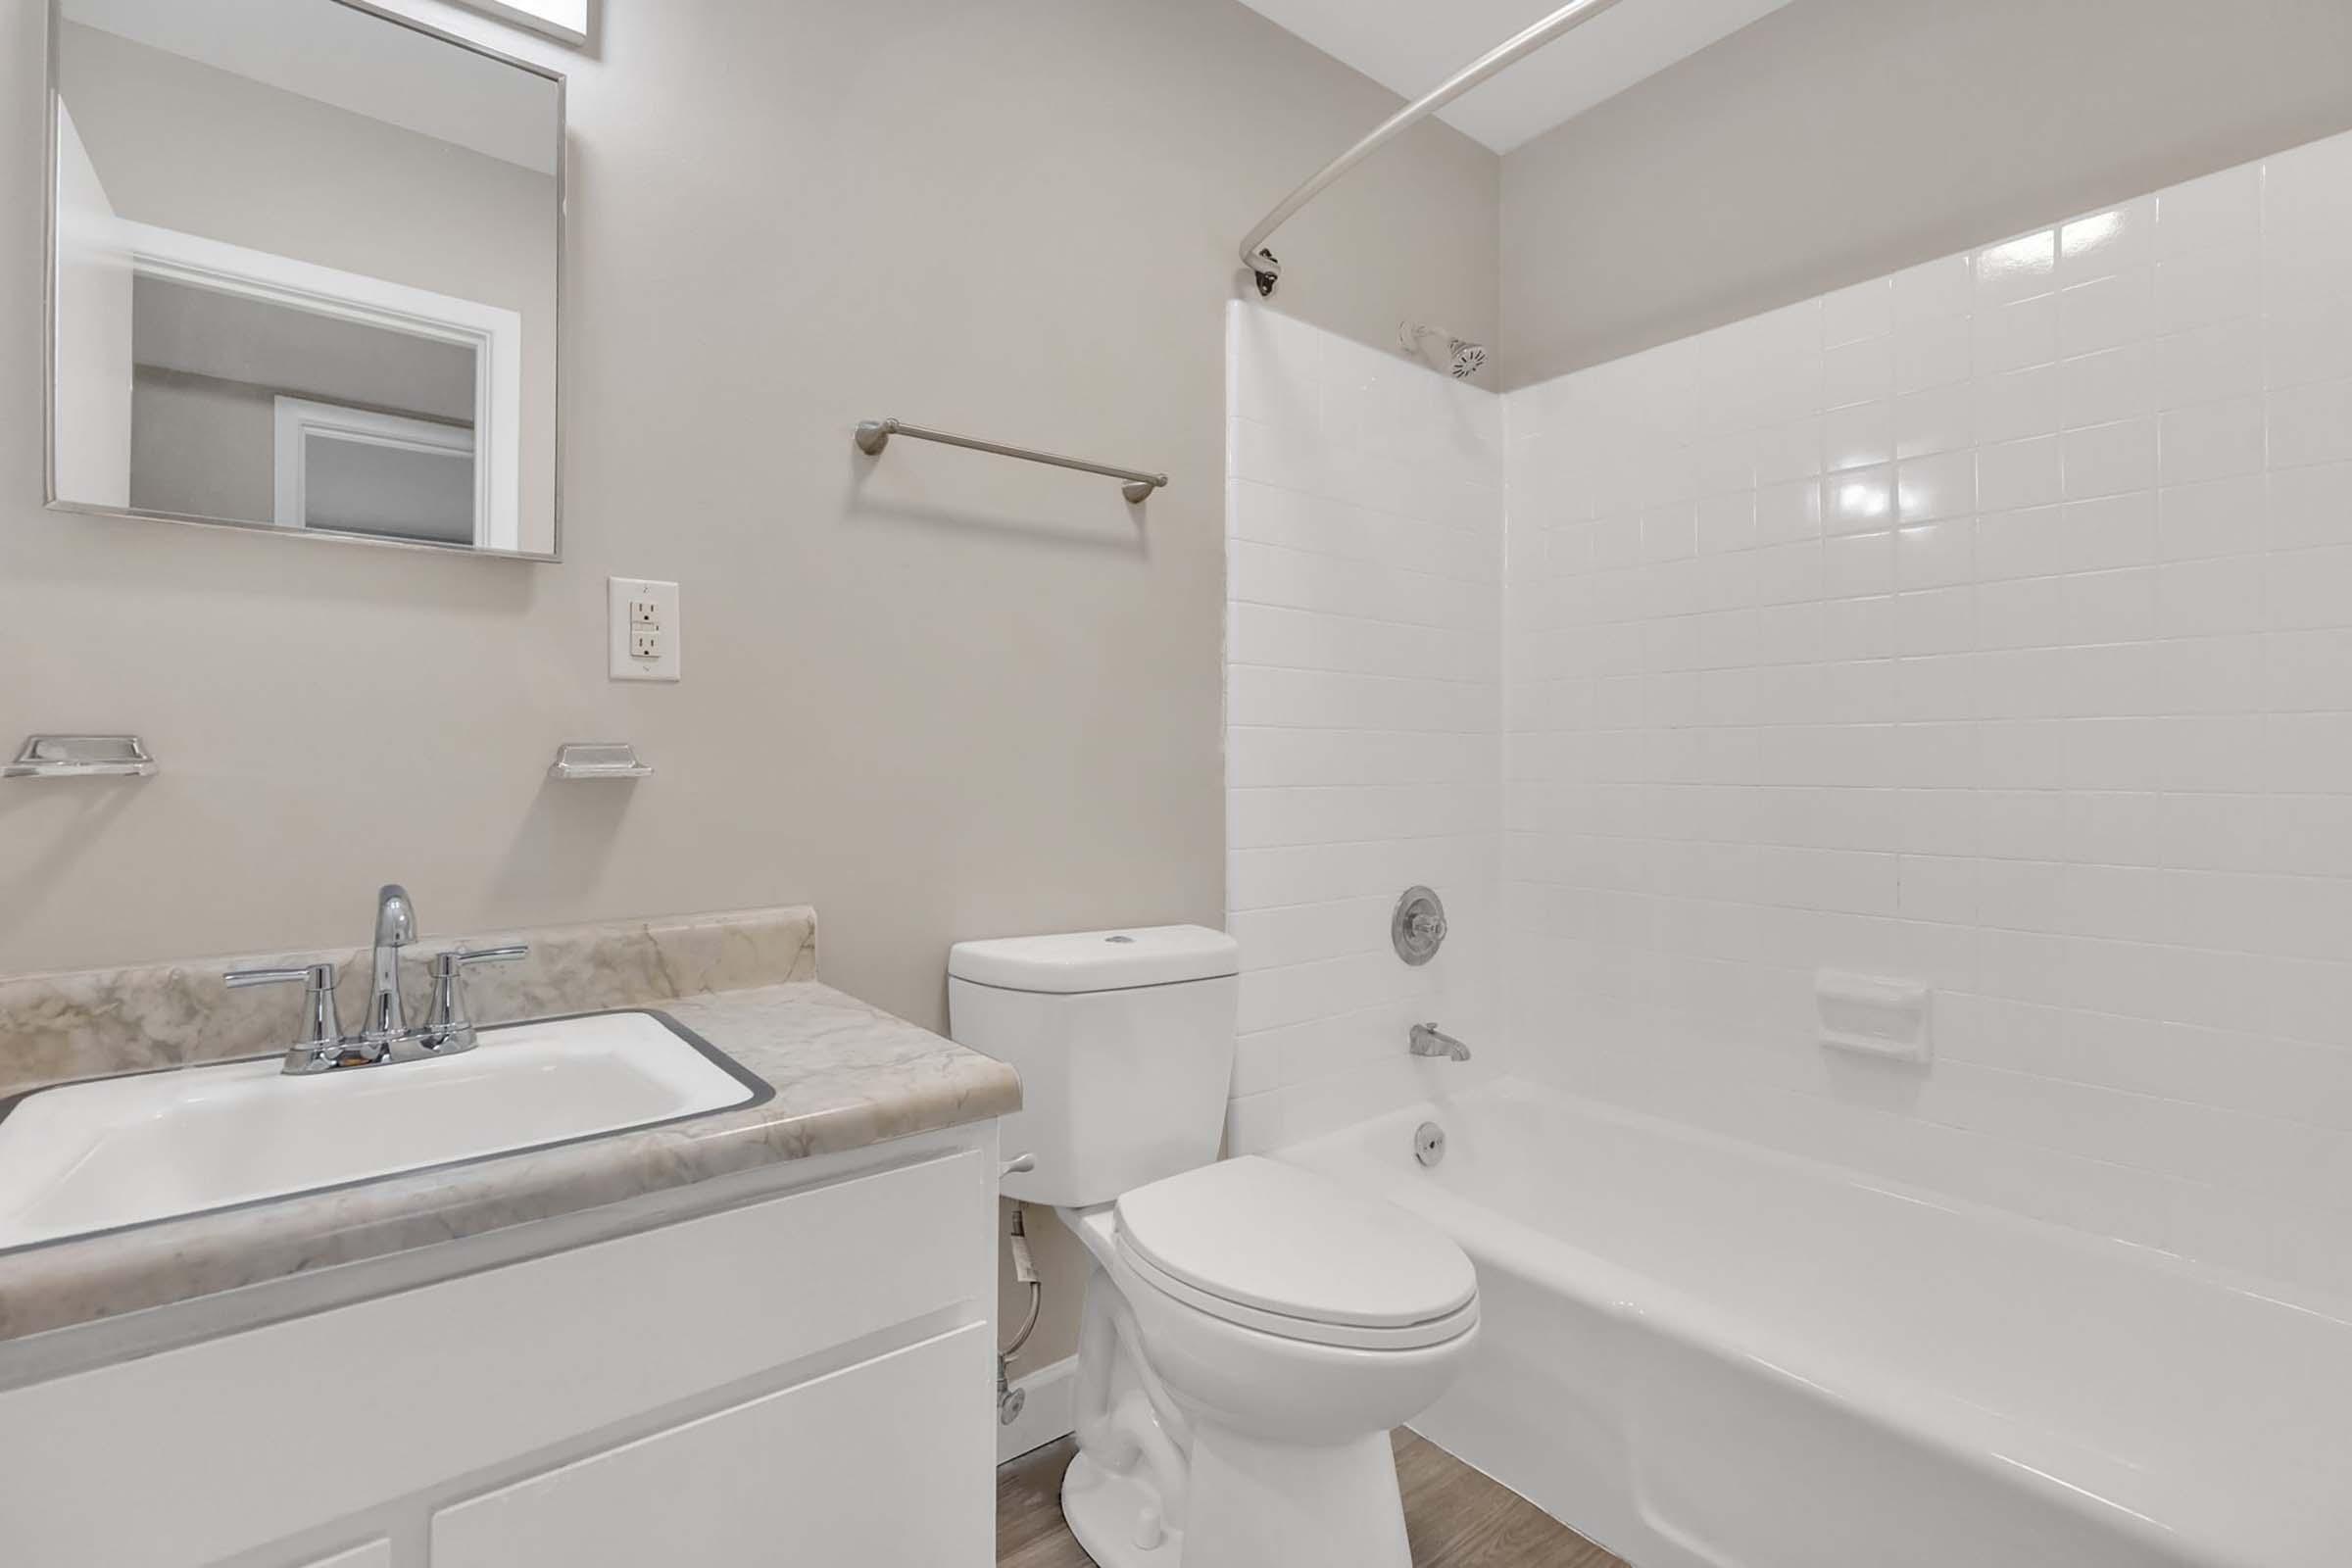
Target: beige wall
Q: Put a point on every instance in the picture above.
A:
(938, 697)
(1838, 140)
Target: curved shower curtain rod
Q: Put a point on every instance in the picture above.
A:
(1567, 19)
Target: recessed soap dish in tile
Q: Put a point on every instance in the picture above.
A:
(586, 760)
(1874, 1017)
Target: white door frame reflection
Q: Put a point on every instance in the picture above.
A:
(492, 334)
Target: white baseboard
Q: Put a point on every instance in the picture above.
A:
(1047, 1414)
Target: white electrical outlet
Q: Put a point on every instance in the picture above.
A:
(643, 619)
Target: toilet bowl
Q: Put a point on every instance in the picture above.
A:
(1252, 1332)
(1284, 1368)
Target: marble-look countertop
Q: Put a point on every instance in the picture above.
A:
(55, 1028)
(846, 1075)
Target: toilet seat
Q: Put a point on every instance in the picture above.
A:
(1298, 1330)
(1270, 1247)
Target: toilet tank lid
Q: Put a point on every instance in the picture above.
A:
(1097, 960)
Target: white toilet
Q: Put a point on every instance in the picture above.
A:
(1251, 1331)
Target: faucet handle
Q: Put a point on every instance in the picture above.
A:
(321, 1047)
(445, 966)
(317, 977)
(448, 1028)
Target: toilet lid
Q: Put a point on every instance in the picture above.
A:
(1264, 1235)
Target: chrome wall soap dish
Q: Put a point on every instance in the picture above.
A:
(583, 759)
(83, 756)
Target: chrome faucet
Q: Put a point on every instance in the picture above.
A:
(395, 929)
(448, 1028)
(1431, 1040)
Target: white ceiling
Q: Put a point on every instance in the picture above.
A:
(1410, 46)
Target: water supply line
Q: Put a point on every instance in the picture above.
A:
(1009, 1400)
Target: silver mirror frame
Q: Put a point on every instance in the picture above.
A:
(54, 10)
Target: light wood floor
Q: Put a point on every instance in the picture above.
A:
(1456, 1517)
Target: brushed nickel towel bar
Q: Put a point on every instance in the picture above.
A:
(1502, 55)
(874, 434)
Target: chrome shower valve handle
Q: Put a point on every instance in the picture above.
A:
(1417, 927)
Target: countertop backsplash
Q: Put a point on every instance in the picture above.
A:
(58, 1027)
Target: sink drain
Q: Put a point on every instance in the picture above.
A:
(1429, 1143)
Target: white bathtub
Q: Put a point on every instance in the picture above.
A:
(1707, 1355)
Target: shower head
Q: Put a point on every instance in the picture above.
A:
(1462, 358)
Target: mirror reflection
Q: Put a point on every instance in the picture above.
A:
(305, 274)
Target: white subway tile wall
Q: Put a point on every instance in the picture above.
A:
(1989, 624)
(1363, 712)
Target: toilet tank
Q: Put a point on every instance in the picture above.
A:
(1124, 1044)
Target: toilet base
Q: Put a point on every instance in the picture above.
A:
(1106, 1511)
(1260, 1504)
(1254, 1505)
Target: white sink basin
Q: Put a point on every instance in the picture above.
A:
(118, 1151)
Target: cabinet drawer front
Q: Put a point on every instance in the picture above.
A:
(887, 1464)
(421, 1387)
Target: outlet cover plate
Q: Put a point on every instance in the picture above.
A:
(641, 629)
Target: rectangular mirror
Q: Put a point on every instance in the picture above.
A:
(304, 274)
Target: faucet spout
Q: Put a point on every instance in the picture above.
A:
(1431, 1040)
(395, 916)
(395, 929)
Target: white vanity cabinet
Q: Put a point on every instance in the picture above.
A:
(799, 1374)
(784, 1478)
